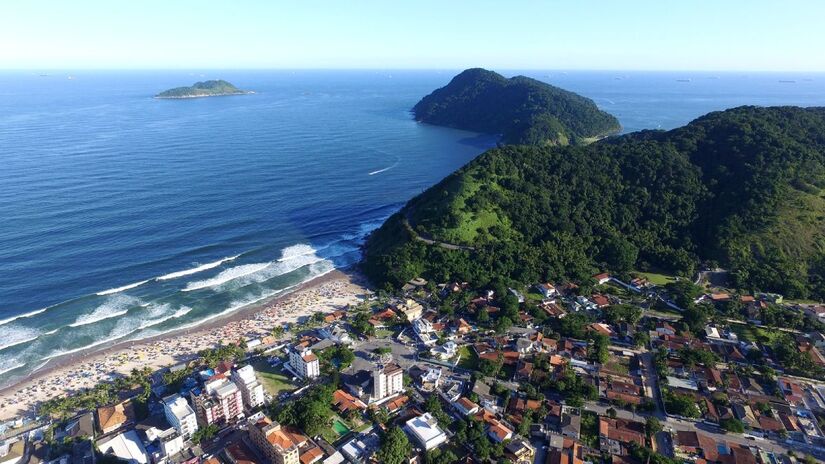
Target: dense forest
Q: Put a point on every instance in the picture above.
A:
(525, 111)
(742, 188)
(202, 89)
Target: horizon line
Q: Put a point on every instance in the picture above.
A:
(503, 69)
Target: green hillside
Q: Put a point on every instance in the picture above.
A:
(203, 89)
(744, 188)
(523, 110)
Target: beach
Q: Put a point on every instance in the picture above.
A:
(333, 291)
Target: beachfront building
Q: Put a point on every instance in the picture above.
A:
(304, 362)
(126, 447)
(220, 401)
(251, 390)
(180, 415)
(426, 431)
(277, 444)
(112, 418)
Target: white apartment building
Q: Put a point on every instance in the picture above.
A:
(180, 415)
(251, 390)
(387, 381)
(304, 362)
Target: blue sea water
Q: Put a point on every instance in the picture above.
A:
(123, 216)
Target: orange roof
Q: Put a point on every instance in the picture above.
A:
(344, 402)
(500, 430)
(311, 455)
(111, 416)
(310, 358)
(467, 404)
(397, 403)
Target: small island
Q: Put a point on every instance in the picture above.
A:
(523, 110)
(213, 88)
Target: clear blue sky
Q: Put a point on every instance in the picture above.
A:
(504, 34)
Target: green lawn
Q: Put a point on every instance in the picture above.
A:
(469, 359)
(749, 333)
(273, 379)
(657, 279)
(383, 333)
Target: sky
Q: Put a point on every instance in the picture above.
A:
(719, 35)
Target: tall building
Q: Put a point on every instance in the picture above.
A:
(387, 380)
(304, 362)
(220, 401)
(251, 390)
(180, 415)
(276, 443)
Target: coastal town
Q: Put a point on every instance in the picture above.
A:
(625, 369)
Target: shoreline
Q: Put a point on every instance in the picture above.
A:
(71, 372)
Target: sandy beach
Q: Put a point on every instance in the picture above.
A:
(333, 291)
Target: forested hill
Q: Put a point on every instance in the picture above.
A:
(203, 89)
(525, 111)
(744, 188)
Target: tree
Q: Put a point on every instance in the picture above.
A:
(204, 433)
(611, 412)
(652, 426)
(395, 447)
(732, 425)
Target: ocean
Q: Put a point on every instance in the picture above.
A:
(124, 217)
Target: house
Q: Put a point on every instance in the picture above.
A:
(600, 300)
(463, 327)
(111, 418)
(343, 402)
(382, 318)
(564, 451)
(520, 451)
(547, 290)
(552, 309)
(446, 351)
(426, 432)
(165, 439)
(126, 447)
(614, 434)
(601, 328)
(664, 328)
(411, 309)
(466, 407)
(602, 278)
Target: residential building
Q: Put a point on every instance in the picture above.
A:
(112, 418)
(466, 407)
(304, 362)
(426, 431)
(411, 309)
(252, 391)
(388, 380)
(520, 451)
(221, 401)
(126, 447)
(277, 444)
(180, 415)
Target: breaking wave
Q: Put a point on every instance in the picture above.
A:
(113, 307)
(195, 270)
(123, 288)
(226, 276)
(21, 316)
(16, 335)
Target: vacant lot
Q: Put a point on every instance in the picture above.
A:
(274, 379)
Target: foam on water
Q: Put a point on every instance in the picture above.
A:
(6, 367)
(113, 307)
(295, 251)
(123, 288)
(177, 314)
(226, 276)
(13, 335)
(195, 270)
